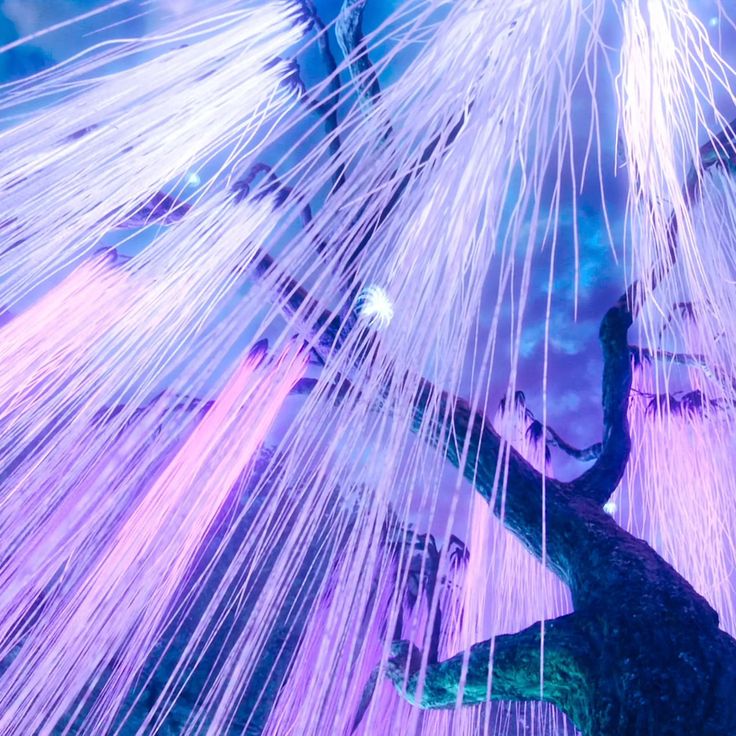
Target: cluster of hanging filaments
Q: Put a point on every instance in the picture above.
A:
(158, 568)
(680, 158)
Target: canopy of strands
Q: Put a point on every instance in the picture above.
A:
(266, 275)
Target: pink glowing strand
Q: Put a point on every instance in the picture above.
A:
(44, 351)
(46, 524)
(270, 530)
(235, 673)
(50, 530)
(87, 628)
(47, 348)
(120, 335)
(37, 346)
(658, 500)
(505, 589)
(357, 666)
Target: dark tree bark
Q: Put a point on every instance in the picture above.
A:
(642, 653)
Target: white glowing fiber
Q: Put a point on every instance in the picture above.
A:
(113, 619)
(134, 327)
(680, 481)
(477, 134)
(682, 212)
(683, 209)
(74, 170)
(671, 82)
(504, 589)
(497, 116)
(679, 496)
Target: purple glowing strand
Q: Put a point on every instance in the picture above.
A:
(161, 536)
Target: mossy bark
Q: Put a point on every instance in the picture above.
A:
(642, 654)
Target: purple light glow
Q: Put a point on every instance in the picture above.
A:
(409, 228)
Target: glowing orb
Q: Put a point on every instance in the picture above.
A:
(714, 21)
(193, 179)
(375, 307)
(610, 507)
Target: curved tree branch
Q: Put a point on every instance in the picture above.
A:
(517, 667)
(584, 454)
(518, 494)
(600, 481)
(349, 32)
(328, 109)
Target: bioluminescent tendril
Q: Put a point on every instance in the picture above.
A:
(155, 575)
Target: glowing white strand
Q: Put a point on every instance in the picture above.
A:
(470, 215)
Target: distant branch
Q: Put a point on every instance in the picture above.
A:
(584, 454)
(328, 109)
(692, 403)
(349, 32)
(158, 209)
(687, 359)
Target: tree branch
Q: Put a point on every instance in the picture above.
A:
(687, 359)
(600, 481)
(349, 32)
(516, 660)
(328, 109)
(585, 454)
(518, 494)
(329, 329)
(158, 209)
(536, 432)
